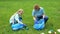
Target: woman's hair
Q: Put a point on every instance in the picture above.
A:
(36, 6)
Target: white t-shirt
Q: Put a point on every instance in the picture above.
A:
(15, 17)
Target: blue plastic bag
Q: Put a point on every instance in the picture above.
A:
(17, 26)
(39, 25)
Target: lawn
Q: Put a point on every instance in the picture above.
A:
(9, 7)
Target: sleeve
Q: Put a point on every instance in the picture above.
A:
(17, 19)
(11, 19)
(42, 10)
(43, 13)
(33, 13)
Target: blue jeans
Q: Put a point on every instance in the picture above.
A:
(17, 26)
(45, 19)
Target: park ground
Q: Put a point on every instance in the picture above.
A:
(9, 7)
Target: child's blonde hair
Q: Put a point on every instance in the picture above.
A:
(20, 10)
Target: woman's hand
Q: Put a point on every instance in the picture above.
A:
(43, 16)
(34, 18)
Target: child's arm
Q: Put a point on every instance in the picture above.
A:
(17, 19)
(11, 20)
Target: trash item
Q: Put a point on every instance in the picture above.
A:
(58, 30)
(51, 32)
(42, 33)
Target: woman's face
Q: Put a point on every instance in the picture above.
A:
(36, 7)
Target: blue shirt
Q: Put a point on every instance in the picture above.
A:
(37, 13)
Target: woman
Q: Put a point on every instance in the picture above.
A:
(38, 13)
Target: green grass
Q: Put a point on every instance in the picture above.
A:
(8, 8)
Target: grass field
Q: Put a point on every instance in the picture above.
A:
(8, 8)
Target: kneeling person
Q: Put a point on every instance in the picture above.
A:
(38, 14)
(16, 20)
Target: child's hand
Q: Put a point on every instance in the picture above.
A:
(20, 22)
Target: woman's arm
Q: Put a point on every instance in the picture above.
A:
(43, 12)
(34, 18)
(33, 14)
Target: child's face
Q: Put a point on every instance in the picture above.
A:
(20, 12)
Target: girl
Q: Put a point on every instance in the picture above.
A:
(16, 20)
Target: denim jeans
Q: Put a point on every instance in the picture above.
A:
(38, 18)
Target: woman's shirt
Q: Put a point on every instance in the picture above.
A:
(37, 13)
